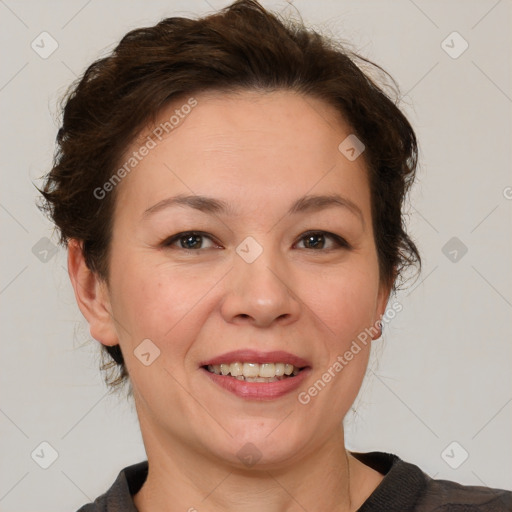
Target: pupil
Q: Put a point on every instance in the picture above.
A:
(311, 238)
(190, 238)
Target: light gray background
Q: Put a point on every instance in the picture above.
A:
(443, 368)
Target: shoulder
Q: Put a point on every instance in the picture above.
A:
(406, 488)
(445, 495)
(118, 497)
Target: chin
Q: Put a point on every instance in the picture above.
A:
(261, 444)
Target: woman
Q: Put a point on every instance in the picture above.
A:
(230, 193)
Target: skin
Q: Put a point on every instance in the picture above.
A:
(259, 152)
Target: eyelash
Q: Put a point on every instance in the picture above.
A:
(341, 242)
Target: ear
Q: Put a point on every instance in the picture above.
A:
(91, 295)
(382, 301)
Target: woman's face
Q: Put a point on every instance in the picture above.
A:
(271, 277)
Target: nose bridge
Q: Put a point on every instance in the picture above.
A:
(258, 287)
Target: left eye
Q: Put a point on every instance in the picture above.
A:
(316, 239)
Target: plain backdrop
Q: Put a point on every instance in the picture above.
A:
(438, 390)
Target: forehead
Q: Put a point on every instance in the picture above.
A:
(250, 146)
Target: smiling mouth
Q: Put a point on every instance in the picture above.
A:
(255, 372)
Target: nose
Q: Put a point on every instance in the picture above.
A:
(260, 293)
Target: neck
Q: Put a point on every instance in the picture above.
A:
(180, 478)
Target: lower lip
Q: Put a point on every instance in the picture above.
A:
(259, 390)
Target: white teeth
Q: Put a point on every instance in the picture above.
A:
(251, 369)
(279, 369)
(254, 372)
(267, 370)
(235, 369)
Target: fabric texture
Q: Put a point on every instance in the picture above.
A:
(405, 488)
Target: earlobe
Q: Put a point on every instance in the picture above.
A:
(91, 295)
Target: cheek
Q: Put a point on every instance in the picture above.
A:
(162, 306)
(346, 303)
(351, 315)
(159, 303)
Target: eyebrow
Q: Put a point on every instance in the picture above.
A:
(305, 204)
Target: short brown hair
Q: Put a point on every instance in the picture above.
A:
(241, 47)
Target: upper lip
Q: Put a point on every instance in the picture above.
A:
(253, 356)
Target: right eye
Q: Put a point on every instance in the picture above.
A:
(188, 240)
